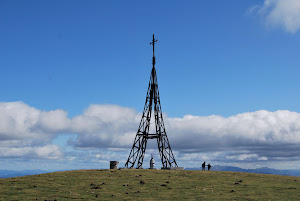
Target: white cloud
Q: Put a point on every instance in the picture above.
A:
(280, 13)
(46, 152)
(52, 122)
(263, 158)
(28, 132)
(22, 124)
(243, 157)
(262, 134)
(251, 128)
(251, 136)
(105, 126)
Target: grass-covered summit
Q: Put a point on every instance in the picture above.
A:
(150, 185)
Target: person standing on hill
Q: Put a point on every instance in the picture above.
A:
(208, 166)
(203, 166)
(152, 162)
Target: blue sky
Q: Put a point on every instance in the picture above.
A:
(64, 61)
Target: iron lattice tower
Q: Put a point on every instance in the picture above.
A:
(140, 142)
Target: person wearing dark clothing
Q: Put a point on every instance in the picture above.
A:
(208, 166)
(203, 166)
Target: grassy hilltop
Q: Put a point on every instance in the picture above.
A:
(150, 185)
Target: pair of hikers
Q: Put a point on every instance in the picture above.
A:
(208, 166)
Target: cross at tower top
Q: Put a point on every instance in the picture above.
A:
(153, 43)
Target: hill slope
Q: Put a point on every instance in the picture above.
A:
(150, 185)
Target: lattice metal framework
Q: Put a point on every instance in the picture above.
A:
(140, 142)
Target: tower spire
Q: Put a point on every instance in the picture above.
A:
(138, 149)
(153, 44)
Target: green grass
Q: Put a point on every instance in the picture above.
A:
(150, 185)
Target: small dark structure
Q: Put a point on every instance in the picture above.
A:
(114, 164)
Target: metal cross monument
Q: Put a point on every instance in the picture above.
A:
(140, 142)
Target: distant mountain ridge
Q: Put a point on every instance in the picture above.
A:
(19, 173)
(263, 170)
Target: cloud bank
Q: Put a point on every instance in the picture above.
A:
(27, 132)
(280, 13)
